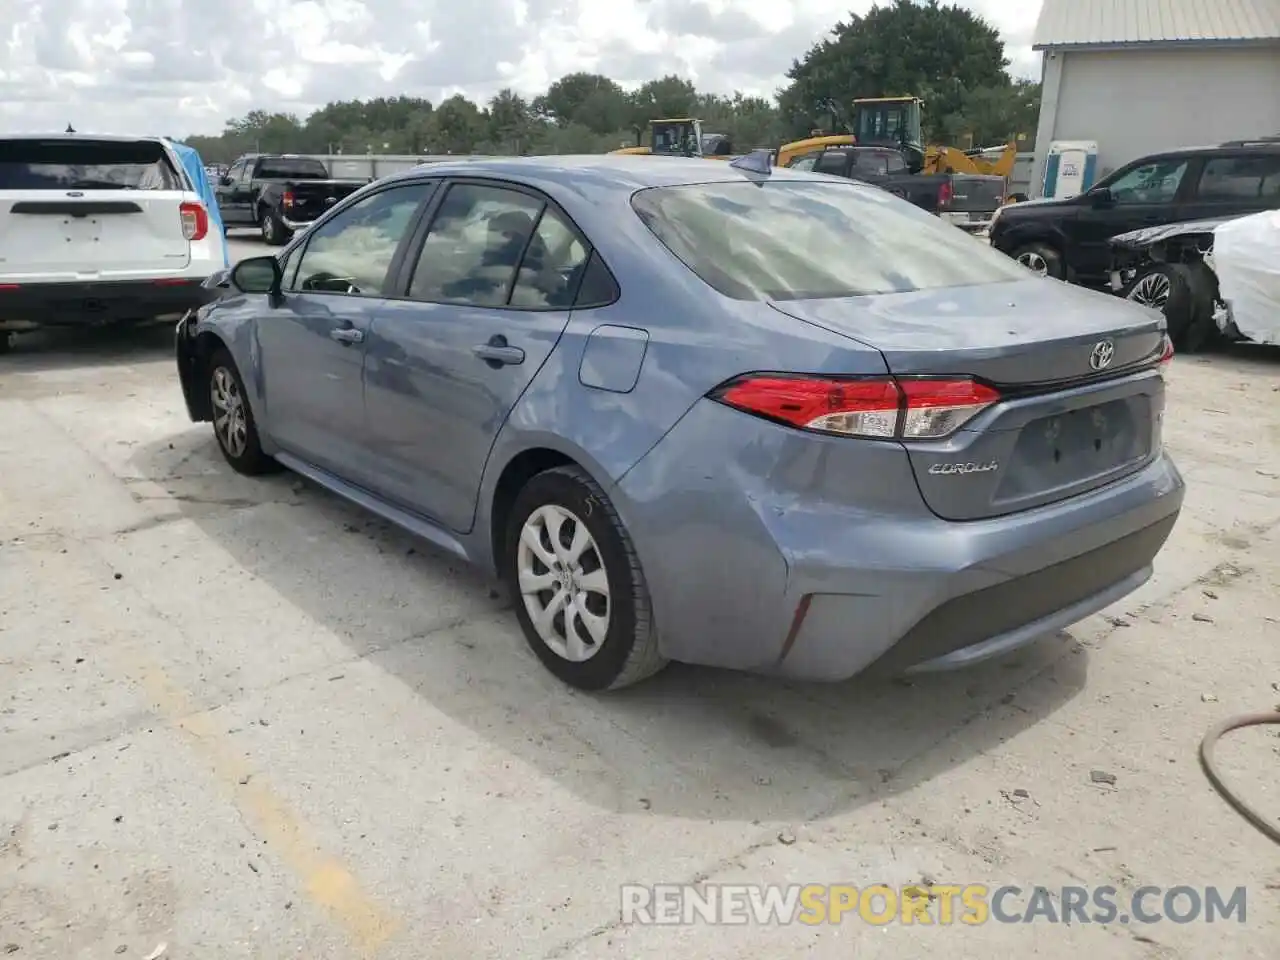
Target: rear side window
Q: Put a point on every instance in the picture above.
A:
(835, 162)
(82, 164)
(1241, 178)
(795, 240)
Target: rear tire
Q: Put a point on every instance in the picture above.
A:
(1042, 260)
(234, 426)
(585, 586)
(274, 233)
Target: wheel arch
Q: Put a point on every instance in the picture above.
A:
(195, 371)
(511, 479)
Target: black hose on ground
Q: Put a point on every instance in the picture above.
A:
(1211, 771)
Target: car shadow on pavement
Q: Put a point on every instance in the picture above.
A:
(691, 742)
(65, 348)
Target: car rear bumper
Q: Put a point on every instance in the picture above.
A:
(972, 222)
(94, 303)
(785, 570)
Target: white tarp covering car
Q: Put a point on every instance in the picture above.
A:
(1246, 259)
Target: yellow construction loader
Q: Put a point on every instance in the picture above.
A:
(895, 122)
(682, 137)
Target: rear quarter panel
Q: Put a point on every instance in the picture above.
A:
(697, 339)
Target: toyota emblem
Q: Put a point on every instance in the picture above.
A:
(1104, 351)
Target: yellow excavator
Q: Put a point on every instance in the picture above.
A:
(682, 137)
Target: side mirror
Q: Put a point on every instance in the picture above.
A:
(1101, 197)
(224, 181)
(257, 275)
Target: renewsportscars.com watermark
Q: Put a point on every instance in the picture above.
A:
(939, 904)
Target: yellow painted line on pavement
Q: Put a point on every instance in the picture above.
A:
(326, 881)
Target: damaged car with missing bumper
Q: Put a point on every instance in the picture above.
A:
(1213, 279)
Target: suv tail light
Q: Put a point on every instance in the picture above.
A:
(286, 199)
(945, 193)
(195, 221)
(881, 408)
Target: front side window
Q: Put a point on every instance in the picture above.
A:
(236, 171)
(474, 246)
(1241, 178)
(793, 240)
(1155, 182)
(84, 164)
(352, 252)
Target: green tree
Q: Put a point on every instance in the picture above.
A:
(926, 49)
(459, 126)
(589, 99)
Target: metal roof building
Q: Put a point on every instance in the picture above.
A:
(1138, 76)
(1106, 23)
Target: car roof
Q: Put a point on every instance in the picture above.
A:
(619, 171)
(1248, 146)
(90, 137)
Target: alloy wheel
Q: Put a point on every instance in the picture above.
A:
(1152, 291)
(1034, 262)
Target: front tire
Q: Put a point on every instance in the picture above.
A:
(274, 233)
(233, 424)
(581, 596)
(1042, 260)
(1183, 294)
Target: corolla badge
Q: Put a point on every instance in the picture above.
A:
(1104, 351)
(962, 469)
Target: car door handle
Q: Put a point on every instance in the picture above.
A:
(497, 353)
(346, 335)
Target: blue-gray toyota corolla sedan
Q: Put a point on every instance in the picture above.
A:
(704, 412)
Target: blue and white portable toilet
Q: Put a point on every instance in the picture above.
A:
(1070, 169)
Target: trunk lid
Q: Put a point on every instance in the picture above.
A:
(83, 209)
(1061, 427)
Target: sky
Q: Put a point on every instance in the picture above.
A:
(175, 67)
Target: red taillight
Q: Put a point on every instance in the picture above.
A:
(195, 221)
(1166, 355)
(944, 193)
(286, 198)
(878, 408)
(10, 286)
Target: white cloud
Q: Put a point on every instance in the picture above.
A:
(177, 66)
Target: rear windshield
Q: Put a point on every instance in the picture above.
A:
(86, 165)
(291, 168)
(799, 240)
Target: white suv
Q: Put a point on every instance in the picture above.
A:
(97, 230)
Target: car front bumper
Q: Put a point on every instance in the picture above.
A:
(813, 571)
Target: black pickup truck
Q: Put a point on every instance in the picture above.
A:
(970, 201)
(278, 194)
